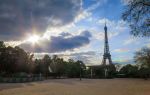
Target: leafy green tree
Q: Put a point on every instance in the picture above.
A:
(22, 60)
(38, 66)
(111, 71)
(98, 71)
(129, 70)
(60, 67)
(7, 60)
(104, 71)
(45, 65)
(144, 73)
(137, 13)
(14, 60)
(82, 68)
(74, 68)
(2, 45)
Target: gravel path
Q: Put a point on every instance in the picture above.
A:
(76, 87)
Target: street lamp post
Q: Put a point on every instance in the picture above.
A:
(91, 69)
(80, 71)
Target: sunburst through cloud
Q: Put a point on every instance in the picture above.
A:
(44, 39)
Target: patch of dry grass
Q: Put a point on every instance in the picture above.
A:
(76, 87)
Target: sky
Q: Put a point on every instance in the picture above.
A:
(71, 29)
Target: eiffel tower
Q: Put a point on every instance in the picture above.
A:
(107, 66)
(106, 55)
(106, 62)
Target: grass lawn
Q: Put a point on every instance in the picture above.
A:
(76, 87)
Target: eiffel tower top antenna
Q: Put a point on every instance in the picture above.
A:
(105, 22)
(105, 27)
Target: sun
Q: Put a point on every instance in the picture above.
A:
(34, 39)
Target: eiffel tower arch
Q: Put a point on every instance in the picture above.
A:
(107, 64)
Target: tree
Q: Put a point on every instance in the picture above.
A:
(129, 70)
(45, 65)
(137, 13)
(74, 68)
(82, 68)
(7, 60)
(2, 49)
(111, 70)
(104, 71)
(14, 60)
(38, 66)
(144, 72)
(60, 67)
(98, 71)
(2, 45)
(142, 57)
(23, 60)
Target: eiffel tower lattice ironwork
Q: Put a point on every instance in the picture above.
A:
(106, 55)
(106, 62)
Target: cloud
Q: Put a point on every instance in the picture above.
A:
(19, 17)
(124, 60)
(148, 45)
(121, 50)
(84, 14)
(132, 40)
(114, 28)
(88, 57)
(118, 26)
(13, 43)
(129, 41)
(59, 43)
(85, 56)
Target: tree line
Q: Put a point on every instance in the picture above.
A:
(15, 62)
(141, 68)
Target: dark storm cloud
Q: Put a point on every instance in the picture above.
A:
(18, 17)
(59, 43)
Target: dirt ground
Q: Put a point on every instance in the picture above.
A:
(76, 87)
